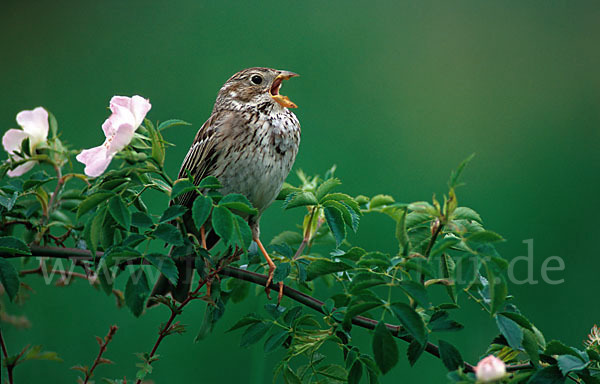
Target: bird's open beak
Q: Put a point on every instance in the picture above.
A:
(284, 101)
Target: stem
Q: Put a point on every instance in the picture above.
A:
(255, 278)
(103, 346)
(306, 238)
(9, 367)
(434, 236)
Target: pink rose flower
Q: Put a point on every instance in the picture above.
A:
(490, 369)
(128, 113)
(34, 126)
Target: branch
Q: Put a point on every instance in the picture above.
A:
(9, 367)
(103, 346)
(256, 278)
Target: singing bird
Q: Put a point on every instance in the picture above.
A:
(249, 143)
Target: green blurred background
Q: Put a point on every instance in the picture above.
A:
(395, 93)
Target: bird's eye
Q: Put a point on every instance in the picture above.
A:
(256, 79)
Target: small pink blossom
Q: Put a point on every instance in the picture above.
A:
(34, 126)
(127, 115)
(490, 369)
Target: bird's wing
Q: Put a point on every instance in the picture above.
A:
(201, 158)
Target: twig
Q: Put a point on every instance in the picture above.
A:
(256, 278)
(9, 367)
(103, 345)
(434, 234)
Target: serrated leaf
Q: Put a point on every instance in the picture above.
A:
(417, 291)
(180, 187)
(254, 333)
(361, 304)
(321, 267)
(465, 213)
(548, 375)
(9, 278)
(141, 220)
(555, 347)
(466, 270)
(13, 246)
(497, 288)
(238, 203)
(165, 265)
(209, 182)
(201, 210)
(119, 211)
(355, 373)
(92, 201)
(531, 347)
(333, 371)
(169, 234)
(173, 212)
(415, 350)
(326, 187)
(289, 377)
(450, 356)
(242, 232)
(222, 223)
(510, 330)
(137, 291)
(484, 237)
(300, 199)
(364, 280)
(385, 349)
(440, 321)
(171, 123)
(335, 221)
(275, 341)
(245, 321)
(411, 320)
(380, 200)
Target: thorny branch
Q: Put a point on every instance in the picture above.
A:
(99, 359)
(256, 278)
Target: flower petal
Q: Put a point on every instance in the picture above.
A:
(121, 138)
(21, 169)
(35, 124)
(96, 160)
(12, 139)
(139, 107)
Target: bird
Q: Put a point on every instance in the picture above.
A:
(249, 143)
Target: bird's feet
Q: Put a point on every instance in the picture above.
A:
(272, 269)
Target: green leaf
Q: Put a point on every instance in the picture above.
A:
(119, 211)
(519, 319)
(568, 363)
(171, 123)
(289, 377)
(180, 187)
(96, 230)
(238, 203)
(222, 222)
(415, 350)
(417, 291)
(326, 187)
(254, 333)
(36, 353)
(165, 265)
(440, 322)
(275, 341)
(321, 267)
(169, 234)
(555, 347)
(511, 331)
(158, 145)
(497, 288)
(465, 213)
(360, 304)
(336, 224)
(465, 271)
(92, 201)
(548, 375)
(484, 237)
(209, 182)
(343, 198)
(443, 245)
(201, 210)
(401, 233)
(242, 232)
(9, 278)
(375, 259)
(355, 373)
(173, 212)
(245, 321)
(141, 220)
(411, 320)
(364, 280)
(531, 347)
(137, 291)
(333, 371)
(300, 199)
(380, 200)
(13, 246)
(450, 356)
(455, 175)
(282, 271)
(385, 349)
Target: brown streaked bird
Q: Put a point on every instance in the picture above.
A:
(249, 143)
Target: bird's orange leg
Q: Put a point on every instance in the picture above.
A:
(272, 268)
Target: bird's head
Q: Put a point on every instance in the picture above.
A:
(253, 87)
